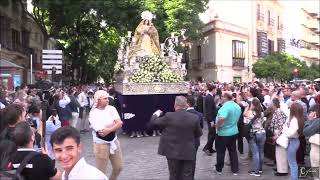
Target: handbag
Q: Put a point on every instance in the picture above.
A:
(245, 130)
(315, 139)
(283, 141)
(108, 137)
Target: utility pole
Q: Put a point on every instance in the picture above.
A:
(31, 68)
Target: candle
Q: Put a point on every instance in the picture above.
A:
(183, 66)
(129, 34)
(176, 39)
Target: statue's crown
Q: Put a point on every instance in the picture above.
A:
(147, 15)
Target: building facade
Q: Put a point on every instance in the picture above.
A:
(222, 55)
(235, 36)
(20, 37)
(303, 34)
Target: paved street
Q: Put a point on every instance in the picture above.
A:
(141, 161)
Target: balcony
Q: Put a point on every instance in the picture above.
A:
(313, 25)
(280, 27)
(237, 63)
(271, 22)
(260, 16)
(310, 53)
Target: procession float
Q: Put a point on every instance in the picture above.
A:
(149, 75)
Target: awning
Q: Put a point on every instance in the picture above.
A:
(5, 63)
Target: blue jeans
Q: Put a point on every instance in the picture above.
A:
(257, 148)
(291, 155)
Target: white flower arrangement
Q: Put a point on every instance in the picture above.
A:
(154, 69)
(118, 67)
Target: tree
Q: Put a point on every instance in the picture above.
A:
(172, 16)
(88, 31)
(280, 66)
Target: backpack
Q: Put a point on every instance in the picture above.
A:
(15, 174)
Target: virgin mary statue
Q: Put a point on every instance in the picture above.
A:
(146, 37)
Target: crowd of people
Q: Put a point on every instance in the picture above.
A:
(280, 118)
(45, 126)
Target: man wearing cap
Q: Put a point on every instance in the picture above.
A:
(105, 121)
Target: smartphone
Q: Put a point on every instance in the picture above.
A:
(54, 112)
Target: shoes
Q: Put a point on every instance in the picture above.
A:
(159, 133)
(145, 134)
(217, 172)
(252, 173)
(235, 174)
(139, 134)
(133, 134)
(207, 151)
(280, 174)
(260, 172)
(154, 133)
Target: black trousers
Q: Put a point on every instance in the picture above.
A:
(223, 143)
(181, 169)
(211, 137)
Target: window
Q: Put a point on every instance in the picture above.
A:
(3, 31)
(269, 18)
(260, 15)
(278, 22)
(281, 45)
(258, 12)
(25, 38)
(15, 39)
(199, 53)
(262, 44)
(270, 46)
(238, 50)
(238, 53)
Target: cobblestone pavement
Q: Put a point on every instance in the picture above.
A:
(141, 161)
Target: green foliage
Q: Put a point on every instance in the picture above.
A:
(172, 16)
(154, 69)
(280, 66)
(91, 47)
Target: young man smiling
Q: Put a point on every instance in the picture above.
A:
(66, 147)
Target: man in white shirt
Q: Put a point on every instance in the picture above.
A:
(66, 147)
(105, 121)
(267, 97)
(83, 114)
